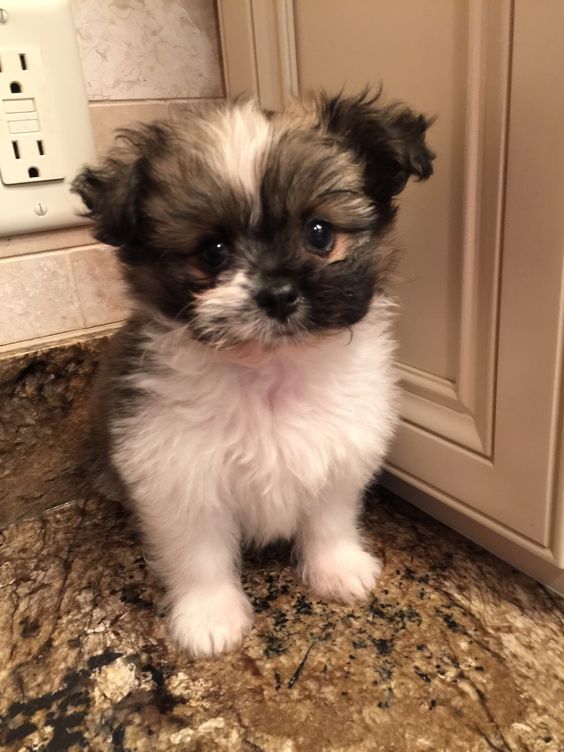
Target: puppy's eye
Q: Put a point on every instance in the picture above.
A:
(214, 254)
(320, 235)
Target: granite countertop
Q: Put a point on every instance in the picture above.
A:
(455, 650)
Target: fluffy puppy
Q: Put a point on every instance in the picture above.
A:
(250, 396)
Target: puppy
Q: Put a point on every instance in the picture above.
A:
(250, 396)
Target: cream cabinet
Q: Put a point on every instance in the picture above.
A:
(481, 285)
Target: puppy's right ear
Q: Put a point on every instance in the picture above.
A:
(114, 193)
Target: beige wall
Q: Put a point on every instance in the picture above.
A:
(142, 59)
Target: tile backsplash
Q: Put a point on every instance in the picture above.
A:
(37, 297)
(142, 60)
(149, 49)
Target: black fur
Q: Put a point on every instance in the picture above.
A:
(113, 194)
(390, 141)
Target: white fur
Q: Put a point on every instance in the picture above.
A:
(277, 446)
(211, 621)
(241, 137)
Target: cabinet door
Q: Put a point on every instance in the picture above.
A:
(481, 281)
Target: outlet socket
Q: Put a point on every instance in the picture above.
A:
(30, 146)
(45, 131)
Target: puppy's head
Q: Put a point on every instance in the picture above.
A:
(255, 227)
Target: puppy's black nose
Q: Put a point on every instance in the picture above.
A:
(278, 298)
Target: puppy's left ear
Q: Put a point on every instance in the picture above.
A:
(389, 141)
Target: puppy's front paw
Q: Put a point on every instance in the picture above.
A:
(345, 573)
(210, 622)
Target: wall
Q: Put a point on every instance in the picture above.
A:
(142, 59)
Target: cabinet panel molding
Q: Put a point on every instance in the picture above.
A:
(482, 434)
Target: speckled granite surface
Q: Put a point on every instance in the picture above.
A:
(455, 651)
(43, 416)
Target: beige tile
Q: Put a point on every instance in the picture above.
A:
(37, 297)
(54, 240)
(147, 49)
(181, 109)
(98, 285)
(107, 117)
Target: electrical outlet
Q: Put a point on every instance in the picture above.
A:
(31, 149)
(45, 131)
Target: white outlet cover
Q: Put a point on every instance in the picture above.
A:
(45, 130)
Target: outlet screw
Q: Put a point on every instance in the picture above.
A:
(40, 209)
(3, 16)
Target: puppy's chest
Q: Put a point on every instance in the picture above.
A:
(280, 420)
(266, 440)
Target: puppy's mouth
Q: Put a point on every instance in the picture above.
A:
(253, 327)
(287, 327)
